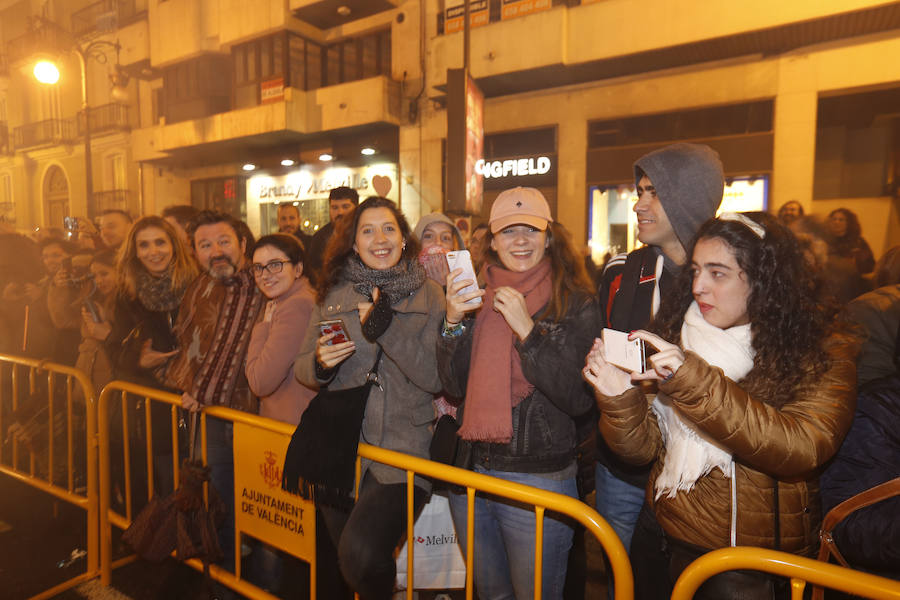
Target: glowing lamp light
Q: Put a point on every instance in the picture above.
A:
(46, 72)
(287, 162)
(367, 151)
(249, 167)
(306, 223)
(325, 157)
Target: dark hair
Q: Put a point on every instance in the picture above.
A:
(340, 245)
(784, 206)
(211, 217)
(116, 211)
(66, 246)
(479, 227)
(789, 314)
(568, 273)
(344, 193)
(183, 213)
(291, 246)
(854, 231)
(287, 205)
(105, 257)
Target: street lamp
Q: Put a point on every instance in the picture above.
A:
(47, 72)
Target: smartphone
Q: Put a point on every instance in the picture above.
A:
(461, 259)
(335, 326)
(92, 308)
(624, 353)
(70, 223)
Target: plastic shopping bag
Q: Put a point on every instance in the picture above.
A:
(438, 561)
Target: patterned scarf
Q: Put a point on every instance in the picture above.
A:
(156, 293)
(397, 282)
(496, 382)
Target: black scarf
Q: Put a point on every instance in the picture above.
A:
(157, 293)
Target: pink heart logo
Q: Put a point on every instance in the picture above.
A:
(382, 184)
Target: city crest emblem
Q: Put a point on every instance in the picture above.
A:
(269, 469)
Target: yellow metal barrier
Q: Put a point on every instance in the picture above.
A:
(798, 568)
(87, 499)
(541, 499)
(279, 519)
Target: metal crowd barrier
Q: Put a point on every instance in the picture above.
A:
(83, 496)
(541, 499)
(798, 568)
(261, 507)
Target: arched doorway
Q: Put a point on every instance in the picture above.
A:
(56, 197)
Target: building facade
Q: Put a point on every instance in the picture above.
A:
(241, 106)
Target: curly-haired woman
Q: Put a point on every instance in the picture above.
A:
(756, 391)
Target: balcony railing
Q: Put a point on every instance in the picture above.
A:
(106, 118)
(48, 38)
(118, 199)
(5, 146)
(105, 15)
(45, 133)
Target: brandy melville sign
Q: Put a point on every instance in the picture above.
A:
(261, 508)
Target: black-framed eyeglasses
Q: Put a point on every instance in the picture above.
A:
(276, 266)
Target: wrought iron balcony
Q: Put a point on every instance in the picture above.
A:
(105, 15)
(106, 118)
(110, 199)
(45, 133)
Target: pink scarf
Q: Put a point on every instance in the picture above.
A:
(496, 383)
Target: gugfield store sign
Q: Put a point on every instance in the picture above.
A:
(531, 171)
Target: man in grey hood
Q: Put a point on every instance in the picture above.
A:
(679, 187)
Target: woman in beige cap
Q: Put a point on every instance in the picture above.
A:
(515, 364)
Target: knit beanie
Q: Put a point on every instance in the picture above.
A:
(689, 183)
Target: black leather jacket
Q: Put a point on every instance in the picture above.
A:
(543, 424)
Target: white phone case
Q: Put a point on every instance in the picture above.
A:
(461, 259)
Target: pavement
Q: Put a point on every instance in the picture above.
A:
(42, 539)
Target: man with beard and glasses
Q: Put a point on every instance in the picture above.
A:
(215, 319)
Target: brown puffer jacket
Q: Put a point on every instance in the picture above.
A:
(788, 444)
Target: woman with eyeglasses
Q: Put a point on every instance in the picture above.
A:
(278, 265)
(275, 340)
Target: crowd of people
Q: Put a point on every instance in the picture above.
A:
(748, 388)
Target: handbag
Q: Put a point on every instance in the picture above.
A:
(829, 548)
(320, 459)
(445, 441)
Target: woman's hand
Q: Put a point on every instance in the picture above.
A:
(331, 356)
(98, 331)
(151, 359)
(456, 302)
(664, 363)
(609, 380)
(510, 303)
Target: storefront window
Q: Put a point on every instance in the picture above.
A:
(613, 224)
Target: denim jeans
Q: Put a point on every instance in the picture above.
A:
(504, 540)
(367, 536)
(619, 503)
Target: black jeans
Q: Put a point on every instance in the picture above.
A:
(367, 536)
(658, 560)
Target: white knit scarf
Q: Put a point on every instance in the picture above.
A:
(690, 453)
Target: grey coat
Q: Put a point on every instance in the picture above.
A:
(399, 416)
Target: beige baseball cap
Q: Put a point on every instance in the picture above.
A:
(520, 206)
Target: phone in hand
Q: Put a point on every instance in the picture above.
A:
(335, 326)
(91, 307)
(461, 259)
(624, 353)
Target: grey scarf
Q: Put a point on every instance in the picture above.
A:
(397, 282)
